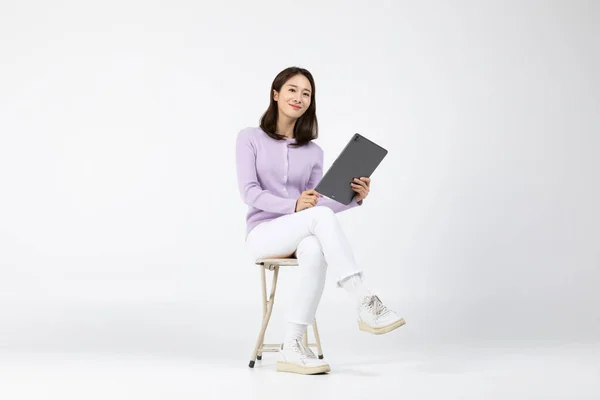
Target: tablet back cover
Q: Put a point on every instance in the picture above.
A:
(359, 158)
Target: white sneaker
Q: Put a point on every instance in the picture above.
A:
(296, 357)
(376, 318)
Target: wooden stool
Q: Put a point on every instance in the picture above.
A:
(273, 264)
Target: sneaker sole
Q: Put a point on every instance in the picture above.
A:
(381, 330)
(298, 369)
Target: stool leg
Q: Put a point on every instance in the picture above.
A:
(263, 284)
(266, 316)
(305, 339)
(317, 339)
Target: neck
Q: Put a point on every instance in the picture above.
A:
(285, 126)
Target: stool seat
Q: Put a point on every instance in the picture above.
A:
(271, 263)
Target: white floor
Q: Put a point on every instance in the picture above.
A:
(158, 351)
(555, 373)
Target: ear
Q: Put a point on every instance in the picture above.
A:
(275, 95)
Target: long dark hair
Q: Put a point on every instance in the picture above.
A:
(306, 127)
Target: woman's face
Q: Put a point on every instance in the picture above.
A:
(294, 97)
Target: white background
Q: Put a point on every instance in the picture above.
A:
(121, 227)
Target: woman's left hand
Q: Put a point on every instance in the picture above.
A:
(361, 187)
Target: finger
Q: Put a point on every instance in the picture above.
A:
(366, 180)
(360, 181)
(360, 184)
(310, 197)
(311, 192)
(360, 189)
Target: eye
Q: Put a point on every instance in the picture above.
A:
(292, 90)
(307, 95)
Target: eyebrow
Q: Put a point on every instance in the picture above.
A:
(289, 84)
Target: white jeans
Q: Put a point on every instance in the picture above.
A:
(318, 240)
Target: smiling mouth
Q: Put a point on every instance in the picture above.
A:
(295, 107)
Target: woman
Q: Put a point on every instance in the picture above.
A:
(278, 166)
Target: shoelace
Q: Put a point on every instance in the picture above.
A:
(375, 305)
(299, 347)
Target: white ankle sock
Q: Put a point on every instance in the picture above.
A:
(356, 288)
(294, 332)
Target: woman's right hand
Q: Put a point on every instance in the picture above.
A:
(307, 199)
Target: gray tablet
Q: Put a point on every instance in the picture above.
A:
(359, 158)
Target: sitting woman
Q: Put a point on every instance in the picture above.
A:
(278, 166)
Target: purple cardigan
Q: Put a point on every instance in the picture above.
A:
(272, 175)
